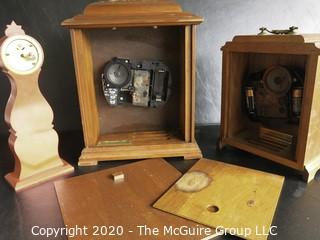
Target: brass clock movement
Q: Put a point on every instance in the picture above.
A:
(32, 140)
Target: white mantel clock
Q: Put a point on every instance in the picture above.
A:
(32, 140)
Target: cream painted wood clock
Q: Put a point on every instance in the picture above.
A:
(32, 140)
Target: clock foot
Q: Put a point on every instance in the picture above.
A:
(311, 170)
(39, 178)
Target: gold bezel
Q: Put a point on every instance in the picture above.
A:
(5, 44)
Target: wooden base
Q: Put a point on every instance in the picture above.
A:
(39, 178)
(308, 171)
(92, 155)
(284, 158)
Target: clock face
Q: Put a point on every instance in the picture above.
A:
(21, 54)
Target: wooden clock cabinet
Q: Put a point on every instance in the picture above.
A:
(138, 30)
(251, 54)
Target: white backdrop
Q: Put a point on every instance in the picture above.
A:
(226, 18)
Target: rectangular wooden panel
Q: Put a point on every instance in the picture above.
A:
(96, 200)
(309, 131)
(238, 68)
(219, 194)
(309, 123)
(187, 82)
(143, 43)
(193, 84)
(87, 99)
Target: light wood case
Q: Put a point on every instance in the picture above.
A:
(124, 205)
(136, 30)
(33, 141)
(254, 53)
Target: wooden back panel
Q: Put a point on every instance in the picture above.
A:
(240, 65)
(234, 197)
(137, 43)
(94, 199)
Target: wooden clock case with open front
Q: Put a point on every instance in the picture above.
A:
(251, 54)
(138, 30)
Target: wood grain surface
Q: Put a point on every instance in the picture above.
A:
(137, 44)
(132, 13)
(311, 157)
(33, 141)
(139, 29)
(249, 54)
(237, 197)
(137, 7)
(94, 199)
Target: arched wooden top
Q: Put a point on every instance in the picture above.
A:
(125, 7)
(294, 38)
(287, 44)
(132, 13)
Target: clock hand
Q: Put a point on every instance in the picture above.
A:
(28, 57)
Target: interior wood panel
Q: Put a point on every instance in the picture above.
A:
(261, 61)
(239, 68)
(240, 124)
(243, 64)
(137, 43)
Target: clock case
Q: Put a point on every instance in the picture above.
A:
(32, 141)
(151, 30)
(247, 54)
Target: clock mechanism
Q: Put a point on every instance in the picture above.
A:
(275, 92)
(139, 83)
(277, 81)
